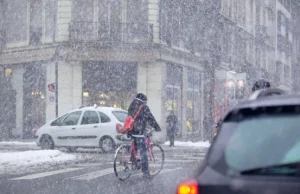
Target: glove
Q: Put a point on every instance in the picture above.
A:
(157, 129)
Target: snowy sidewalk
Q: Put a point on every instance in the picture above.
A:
(20, 162)
(17, 143)
(17, 146)
(201, 144)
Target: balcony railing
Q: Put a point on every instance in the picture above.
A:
(261, 31)
(271, 4)
(36, 36)
(107, 32)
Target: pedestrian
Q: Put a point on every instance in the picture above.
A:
(171, 127)
(206, 128)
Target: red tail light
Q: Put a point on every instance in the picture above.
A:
(119, 127)
(191, 187)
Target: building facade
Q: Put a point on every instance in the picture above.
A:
(256, 42)
(295, 9)
(284, 44)
(194, 58)
(101, 52)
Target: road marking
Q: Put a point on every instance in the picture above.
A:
(158, 165)
(93, 175)
(89, 164)
(180, 161)
(161, 172)
(189, 158)
(189, 155)
(169, 170)
(45, 174)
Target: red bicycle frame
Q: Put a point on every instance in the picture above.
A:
(148, 146)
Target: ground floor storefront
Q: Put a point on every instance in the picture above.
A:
(171, 88)
(173, 81)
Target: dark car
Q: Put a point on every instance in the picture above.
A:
(257, 150)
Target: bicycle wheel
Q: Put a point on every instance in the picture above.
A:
(156, 158)
(122, 163)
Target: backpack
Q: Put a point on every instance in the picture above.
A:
(129, 122)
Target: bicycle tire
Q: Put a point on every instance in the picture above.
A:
(162, 157)
(118, 151)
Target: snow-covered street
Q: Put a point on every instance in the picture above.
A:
(86, 170)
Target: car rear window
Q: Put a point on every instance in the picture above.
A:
(120, 115)
(256, 138)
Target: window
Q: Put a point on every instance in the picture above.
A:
(286, 75)
(57, 122)
(90, 117)
(173, 90)
(266, 131)
(50, 14)
(120, 115)
(72, 118)
(104, 118)
(83, 10)
(258, 138)
(16, 18)
(279, 21)
(193, 100)
(241, 13)
(225, 7)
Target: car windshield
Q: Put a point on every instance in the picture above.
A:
(259, 138)
(120, 115)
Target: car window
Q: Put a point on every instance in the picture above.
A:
(72, 118)
(104, 118)
(57, 122)
(90, 117)
(120, 115)
(257, 140)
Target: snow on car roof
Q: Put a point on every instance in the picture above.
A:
(101, 108)
(270, 101)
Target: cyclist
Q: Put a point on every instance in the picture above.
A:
(139, 128)
(258, 85)
(261, 84)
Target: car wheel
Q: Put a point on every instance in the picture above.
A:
(47, 143)
(107, 144)
(72, 149)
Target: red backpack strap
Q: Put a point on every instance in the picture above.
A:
(138, 112)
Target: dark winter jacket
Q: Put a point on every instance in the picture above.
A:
(171, 125)
(143, 118)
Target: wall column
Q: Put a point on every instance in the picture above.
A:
(69, 86)
(17, 84)
(151, 81)
(184, 100)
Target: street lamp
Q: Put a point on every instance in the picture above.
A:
(230, 84)
(240, 83)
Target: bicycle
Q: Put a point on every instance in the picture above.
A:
(126, 156)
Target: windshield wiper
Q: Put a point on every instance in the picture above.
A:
(290, 169)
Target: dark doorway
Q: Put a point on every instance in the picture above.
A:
(34, 98)
(7, 109)
(109, 83)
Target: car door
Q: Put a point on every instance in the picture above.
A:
(66, 134)
(88, 130)
(107, 126)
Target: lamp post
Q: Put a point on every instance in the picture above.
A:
(56, 81)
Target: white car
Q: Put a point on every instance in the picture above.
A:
(89, 127)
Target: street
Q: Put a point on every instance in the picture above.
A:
(96, 175)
